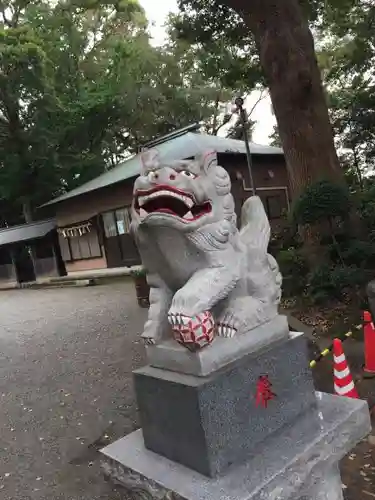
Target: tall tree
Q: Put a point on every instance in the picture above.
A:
(286, 54)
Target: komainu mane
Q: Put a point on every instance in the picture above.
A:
(207, 278)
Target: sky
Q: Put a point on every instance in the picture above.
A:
(157, 11)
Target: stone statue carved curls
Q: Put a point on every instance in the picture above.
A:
(207, 278)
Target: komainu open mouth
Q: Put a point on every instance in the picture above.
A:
(168, 200)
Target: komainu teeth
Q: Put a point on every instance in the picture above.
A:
(186, 199)
(189, 202)
(143, 213)
(172, 319)
(188, 216)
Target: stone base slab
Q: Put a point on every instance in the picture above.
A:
(169, 355)
(299, 463)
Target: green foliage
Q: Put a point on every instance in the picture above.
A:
(351, 251)
(293, 267)
(360, 253)
(82, 88)
(291, 262)
(367, 207)
(321, 201)
(284, 238)
(331, 282)
(231, 51)
(347, 56)
(231, 55)
(347, 261)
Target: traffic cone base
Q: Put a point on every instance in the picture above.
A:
(343, 380)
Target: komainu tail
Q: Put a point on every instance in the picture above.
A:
(264, 274)
(255, 227)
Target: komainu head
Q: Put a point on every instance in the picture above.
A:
(185, 194)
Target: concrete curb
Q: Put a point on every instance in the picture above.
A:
(65, 284)
(68, 283)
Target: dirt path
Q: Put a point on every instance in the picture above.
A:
(66, 357)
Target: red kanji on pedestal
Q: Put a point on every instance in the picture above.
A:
(264, 391)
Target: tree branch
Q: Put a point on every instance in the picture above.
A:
(216, 112)
(261, 97)
(6, 21)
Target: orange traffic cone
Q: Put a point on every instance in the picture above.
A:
(343, 381)
(369, 336)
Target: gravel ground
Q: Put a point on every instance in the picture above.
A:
(66, 357)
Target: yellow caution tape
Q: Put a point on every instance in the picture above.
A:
(326, 351)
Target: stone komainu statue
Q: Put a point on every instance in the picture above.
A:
(207, 278)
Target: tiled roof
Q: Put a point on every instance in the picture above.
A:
(178, 148)
(26, 232)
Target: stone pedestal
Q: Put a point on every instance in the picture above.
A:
(212, 437)
(299, 463)
(209, 423)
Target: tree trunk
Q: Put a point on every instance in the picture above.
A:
(287, 55)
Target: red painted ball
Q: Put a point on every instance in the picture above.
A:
(193, 333)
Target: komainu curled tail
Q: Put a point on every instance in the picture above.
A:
(264, 277)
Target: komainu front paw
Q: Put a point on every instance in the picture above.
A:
(227, 331)
(148, 340)
(227, 326)
(151, 333)
(193, 332)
